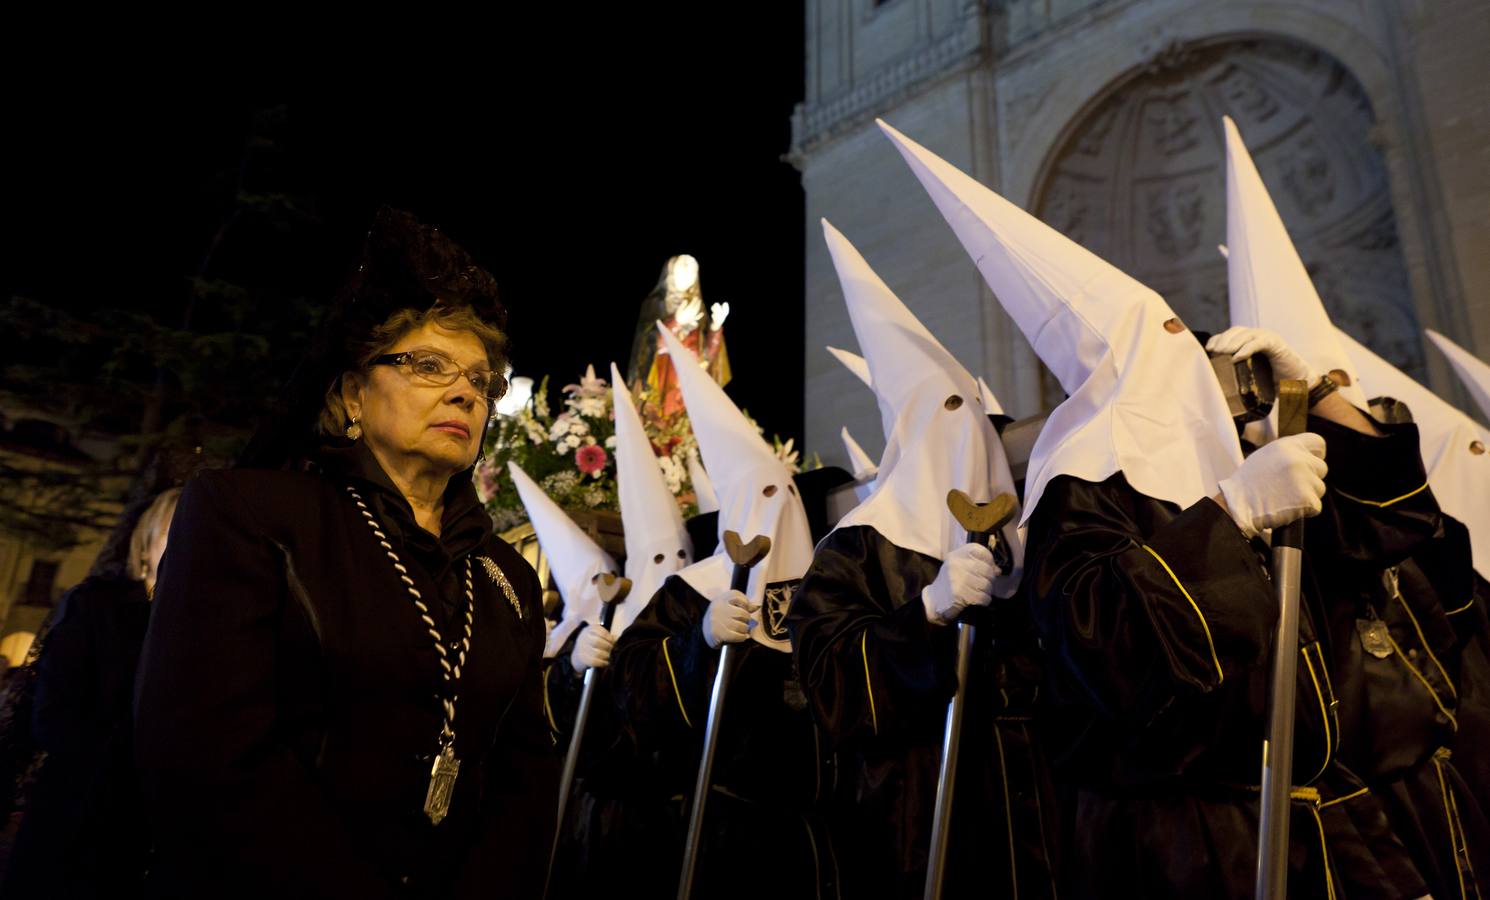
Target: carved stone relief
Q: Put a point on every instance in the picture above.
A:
(1141, 180)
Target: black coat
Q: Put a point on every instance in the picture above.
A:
(1158, 623)
(879, 677)
(627, 809)
(82, 834)
(764, 830)
(288, 703)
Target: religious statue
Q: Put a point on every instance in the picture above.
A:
(677, 303)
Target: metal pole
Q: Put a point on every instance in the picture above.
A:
(612, 591)
(1277, 747)
(946, 782)
(744, 556)
(571, 756)
(705, 774)
(980, 520)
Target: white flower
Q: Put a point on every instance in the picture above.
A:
(560, 427)
(610, 442)
(572, 440)
(562, 446)
(787, 455)
(590, 406)
(672, 473)
(578, 426)
(561, 483)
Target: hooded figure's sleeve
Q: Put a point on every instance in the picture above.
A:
(1139, 607)
(1474, 687)
(869, 662)
(663, 669)
(1378, 508)
(562, 687)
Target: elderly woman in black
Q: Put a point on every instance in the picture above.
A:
(340, 694)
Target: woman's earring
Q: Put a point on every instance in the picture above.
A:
(354, 430)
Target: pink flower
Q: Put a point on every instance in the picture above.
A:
(591, 458)
(588, 385)
(486, 480)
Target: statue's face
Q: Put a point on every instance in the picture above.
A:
(682, 274)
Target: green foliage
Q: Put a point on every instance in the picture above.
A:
(138, 372)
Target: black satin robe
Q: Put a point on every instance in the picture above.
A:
(1158, 622)
(1471, 744)
(879, 678)
(1382, 549)
(287, 703)
(626, 814)
(765, 832)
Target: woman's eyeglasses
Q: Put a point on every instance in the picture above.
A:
(436, 368)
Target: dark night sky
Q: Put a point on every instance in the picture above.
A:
(570, 157)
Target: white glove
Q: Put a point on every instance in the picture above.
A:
(1242, 342)
(718, 312)
(689, 313)
(592, 648)
(1279, 484)
(729, 619)
(966, 579)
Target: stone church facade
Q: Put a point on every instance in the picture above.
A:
(1369, 121)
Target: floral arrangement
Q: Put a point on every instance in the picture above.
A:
(571, 455)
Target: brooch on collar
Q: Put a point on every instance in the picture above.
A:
(499, 578)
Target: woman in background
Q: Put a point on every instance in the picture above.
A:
(84, 834)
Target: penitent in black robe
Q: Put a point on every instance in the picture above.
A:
(879, 678)
(627, 813)
(764, 834)
(1469, 611)
(1158, 622)
(1382, 552)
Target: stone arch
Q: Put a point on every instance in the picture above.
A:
(1036, 117)
(1138, 176)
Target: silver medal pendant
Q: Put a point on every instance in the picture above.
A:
(1375, 638)
(441, 785)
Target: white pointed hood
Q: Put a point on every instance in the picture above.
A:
(573, 557)
(1268, 286)
(1143, 400)
(657, 544)
(864, 468)
(703, 488)
(756, 496)
(854, 363)
(1459, 476)
(862, 463)
(991, 404)
(1473, 371)
(942, 438)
